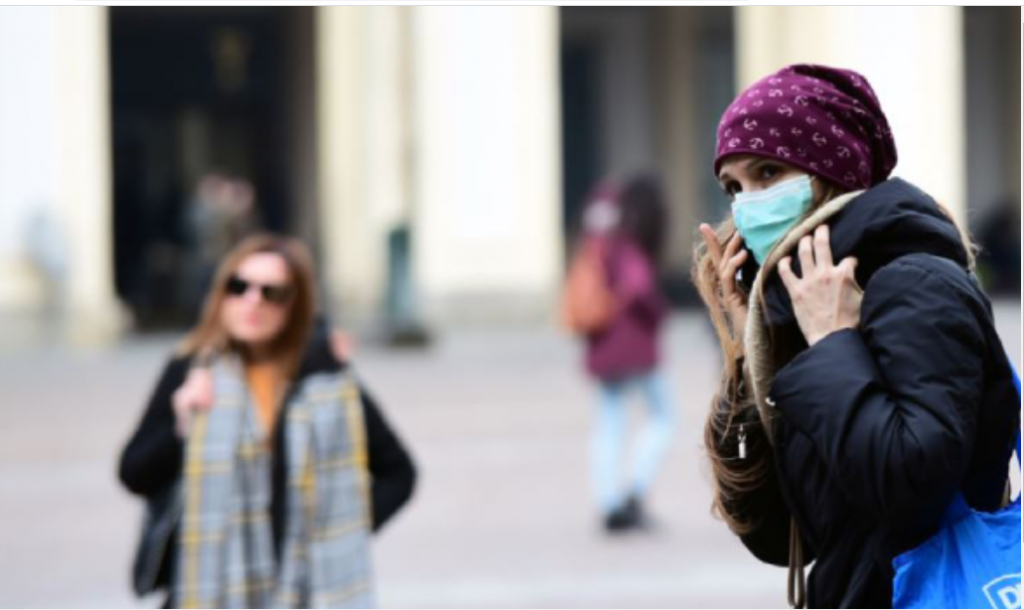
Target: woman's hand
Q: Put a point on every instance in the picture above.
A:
(728, 264)
(827, 298)
(342, 345)
(196, 394)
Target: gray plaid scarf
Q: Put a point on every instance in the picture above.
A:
(226, 557)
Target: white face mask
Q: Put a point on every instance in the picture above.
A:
(601, 217)
(764, 218)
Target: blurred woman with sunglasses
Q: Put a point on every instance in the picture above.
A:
(269, 497)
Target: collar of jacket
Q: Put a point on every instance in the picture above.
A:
(761, 367)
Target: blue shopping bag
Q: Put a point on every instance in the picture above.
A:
(973, 562)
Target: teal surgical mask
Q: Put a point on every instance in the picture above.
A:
(764, 218)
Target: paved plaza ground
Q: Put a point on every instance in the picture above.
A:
(498, 420)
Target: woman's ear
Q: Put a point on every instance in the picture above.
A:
(820, 191)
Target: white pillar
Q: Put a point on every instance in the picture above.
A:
(28, 150)
(487, 218)
(912, 56)
(86, 176)
(55, 169)
(363, 165)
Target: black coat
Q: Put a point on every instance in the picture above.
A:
(881, 426)
(154, 456)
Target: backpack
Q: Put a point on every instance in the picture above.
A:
(588, 303)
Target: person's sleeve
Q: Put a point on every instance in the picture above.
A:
(393, 475)
(154, 454)
(892, 408)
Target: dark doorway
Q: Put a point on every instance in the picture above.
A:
(642, 91)
(607, 104)
(993, 110)
(580, 128)
(196, 93)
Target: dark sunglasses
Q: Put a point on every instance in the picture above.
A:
(271, 293)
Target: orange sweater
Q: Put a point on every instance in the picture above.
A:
(265, 384)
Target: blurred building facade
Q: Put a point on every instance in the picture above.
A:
(454, 142)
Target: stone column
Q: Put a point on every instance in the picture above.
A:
(56, 234)
(86, 175)
(363, 161)
(487, 215)
(913, 57)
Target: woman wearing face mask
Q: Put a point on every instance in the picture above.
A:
(279, 484)
(864, 384)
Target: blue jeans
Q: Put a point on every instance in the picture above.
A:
(609, 438)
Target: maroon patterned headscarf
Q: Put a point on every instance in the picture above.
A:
(823, 120)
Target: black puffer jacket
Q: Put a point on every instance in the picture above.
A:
(881, 427)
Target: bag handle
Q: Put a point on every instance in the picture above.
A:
(1016, 381)
(797, 583)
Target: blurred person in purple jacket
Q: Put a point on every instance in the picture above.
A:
(624, 356)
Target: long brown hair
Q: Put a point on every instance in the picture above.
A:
(733, 410)
(210, 338)
(645, 215)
